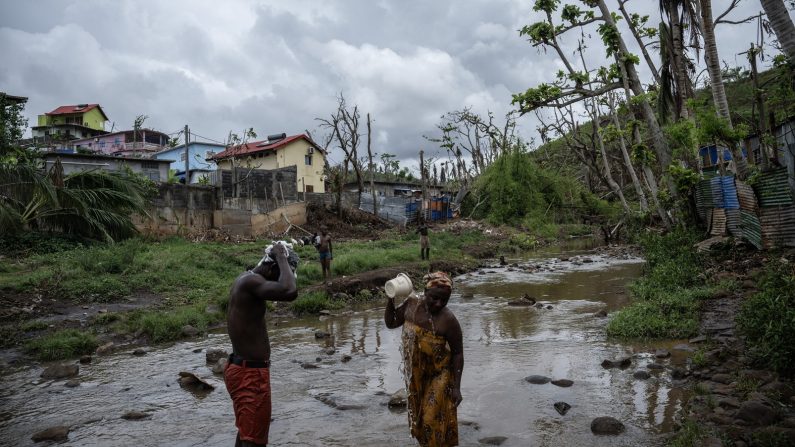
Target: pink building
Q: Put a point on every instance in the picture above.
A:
(128, 143)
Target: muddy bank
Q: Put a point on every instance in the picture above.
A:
(734, 400)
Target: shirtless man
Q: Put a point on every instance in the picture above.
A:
(247, 375)
(324, 250)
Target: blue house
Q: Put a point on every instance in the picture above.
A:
(198, 153)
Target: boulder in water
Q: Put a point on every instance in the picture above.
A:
(135, 415)
(563, 383)
(60, 371)
(493, 440)
(213, 355)
(606, 425)
(398, 399)
(562, 408)
(537, 380)
(193, 382)
(57, 434)
(618, 363)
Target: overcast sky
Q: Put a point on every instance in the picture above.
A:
(277, 65)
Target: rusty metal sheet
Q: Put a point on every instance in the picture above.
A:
(778, 226)
(772, 188)
(717, 192)
(718, 226)
(733, 222)
(747, 197)
(751, 228)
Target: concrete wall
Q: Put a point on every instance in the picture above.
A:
(247, 223)
(178, 209)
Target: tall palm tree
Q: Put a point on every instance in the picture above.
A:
(716, 81)
(782, 25)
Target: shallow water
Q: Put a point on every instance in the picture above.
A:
(502, 346)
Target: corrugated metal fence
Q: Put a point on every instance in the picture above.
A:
(763, 214)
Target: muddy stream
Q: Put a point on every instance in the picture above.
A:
(345, 403)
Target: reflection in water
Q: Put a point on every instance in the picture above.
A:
(344, 403)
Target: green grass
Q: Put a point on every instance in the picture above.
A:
(314, 302)
(767, 320)
(34, 325)
(667, 298)
(63, 344)
(191, 276)
(689, 435)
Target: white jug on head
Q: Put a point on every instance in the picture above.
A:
(399, 287)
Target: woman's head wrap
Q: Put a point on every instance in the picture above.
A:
(438, 279)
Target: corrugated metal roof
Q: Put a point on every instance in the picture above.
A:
(730, 200)
(751, 228)
(778, 226)
(772, 189)
(746, 196)
(718, 226)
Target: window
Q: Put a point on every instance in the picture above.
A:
(150, 165)
(182, 156)
(308, 160)
(310, 188)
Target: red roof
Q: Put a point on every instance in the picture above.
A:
(78, 108)
(262, 146)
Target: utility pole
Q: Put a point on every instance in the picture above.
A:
(187, 157)
(422, 180)
(762, 131)
(372, 168)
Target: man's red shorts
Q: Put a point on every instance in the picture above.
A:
(250, 389)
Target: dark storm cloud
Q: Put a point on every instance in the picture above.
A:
(276, 66)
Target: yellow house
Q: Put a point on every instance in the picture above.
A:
(71, 122)
(280, 151)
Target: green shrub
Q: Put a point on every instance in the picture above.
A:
(667, 298)
(34, 325)
(160, 326)
(62, 344)
(767, 320)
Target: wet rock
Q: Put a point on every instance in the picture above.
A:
(473, 424)
(86, 359)
(198, 350)
(699, 339)
(220, 365)
(719, 419)
(56, 434)
(502, 261)
(755, 412)
(318, 359)
(189, 331)
(684, 347)
(193, 382)
(562, 408)
(618, 363)
(641, 374)
(728, 403)
(519, 303)
(331, 351)
(711, 442)
(722, 378)
(309, 366)
(105, 349)
(537, 380)
(662, 353)
(398, 399)
(139, 352)
(213, 355)
(135, 415)
(606, 425)
(564, 383)
(760, 375)
(332, 402)
(493, 440)
(782, 391)
(678, 373)
(549, 307)
(55, 372)
(655, 366)
(539, 306)
(587, 260)
(600, 314)
(321, 334)
(72, 383)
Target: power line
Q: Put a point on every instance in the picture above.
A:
(208, 139)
